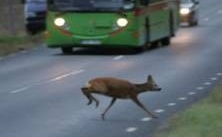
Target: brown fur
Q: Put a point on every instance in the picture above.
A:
(118, 88)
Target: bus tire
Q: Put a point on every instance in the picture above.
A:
(165, 41)
(66, 50)
(140, 49)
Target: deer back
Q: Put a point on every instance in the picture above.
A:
(111, 87)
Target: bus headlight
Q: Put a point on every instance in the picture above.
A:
(184, 11)
(59, 22)
(122, 22)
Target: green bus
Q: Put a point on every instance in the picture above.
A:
(110, 23)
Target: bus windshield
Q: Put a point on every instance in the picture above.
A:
(92, 5)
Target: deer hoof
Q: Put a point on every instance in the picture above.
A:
(90, 102)
(103, 117)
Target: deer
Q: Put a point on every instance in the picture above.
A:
(118, 89)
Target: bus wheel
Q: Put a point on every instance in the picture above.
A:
(67, 50)
(165, 41)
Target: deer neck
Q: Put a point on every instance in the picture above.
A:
(140, 88)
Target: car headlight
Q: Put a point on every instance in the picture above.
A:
(122, 22)
(59, 22)
(184, 11)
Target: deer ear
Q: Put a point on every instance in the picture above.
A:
(149, 78)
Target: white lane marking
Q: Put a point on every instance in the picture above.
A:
(191, 93)
(118, 57)
(19, 90)
(171, 104)
(159, 110)
(200, 88)
(46, 82)
(213, 78)
(182, 98)
(65, 75)
(146, 119)
(131, 129)
(219, 74)
(207, 83)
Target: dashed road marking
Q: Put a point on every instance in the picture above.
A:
(219, 74)
(207, 83)
(171, 104)
(131, 129)
(182, 98)
(146, 119)
(118, 57)
(191, 93)
(19, 90)
(200, 88)
(65, 75)
(213, 78)
(159, 110)
(46, 82)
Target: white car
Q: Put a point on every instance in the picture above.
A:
(189, 12)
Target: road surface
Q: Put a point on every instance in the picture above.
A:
(40, 89)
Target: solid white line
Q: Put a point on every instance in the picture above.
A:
(146, 119)
(159, 111)
(200, 88)
(171, 104)
(131, 129)
(18, 90)
(118, 57)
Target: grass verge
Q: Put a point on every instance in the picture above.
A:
(203, 119)
(10, 44)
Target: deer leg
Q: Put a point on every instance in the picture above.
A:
(90, 97)
(135, 99)
(110, 105)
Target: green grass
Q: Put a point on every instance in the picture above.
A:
(203, 119)
(10, 44)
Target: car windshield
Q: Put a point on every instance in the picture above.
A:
(92, 5)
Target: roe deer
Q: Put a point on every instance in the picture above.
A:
(118, 88)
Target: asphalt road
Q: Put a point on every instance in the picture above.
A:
(40, 89)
